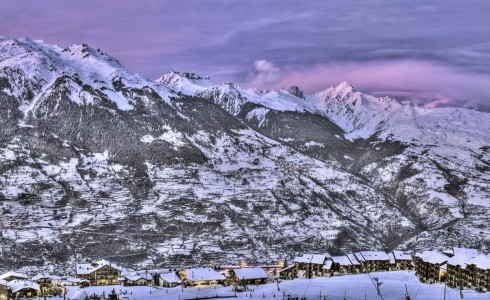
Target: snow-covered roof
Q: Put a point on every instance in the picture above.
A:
(433, 257)
(481, 261)
(318, 259)
(18, 285)
(206, 274)
(170, 277)
(459, 260)
(327, 265)
(250, 273)
(15, 275)
(79, 295)
(44, 276)
(341, 260)
(371, 255)
(3, 282)
(465, 251)
(72, 279)
(89, 268)
(400, 255)
(135, 277)
(353, 259)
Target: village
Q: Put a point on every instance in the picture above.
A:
(457, 268)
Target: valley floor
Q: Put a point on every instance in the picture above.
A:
(354, 286)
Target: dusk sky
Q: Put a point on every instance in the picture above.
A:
(435, 52)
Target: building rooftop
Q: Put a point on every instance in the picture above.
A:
(433, 257)
(205, 274)
(250, 273)
(342, 260)
(83, 269)
(400, 255)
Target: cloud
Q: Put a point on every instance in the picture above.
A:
(423, 82)
(265, 74)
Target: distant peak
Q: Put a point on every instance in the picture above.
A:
(296, 91)
(172, 75)
(191, 76)
(344, 86)
(341, 89)
(84, 51)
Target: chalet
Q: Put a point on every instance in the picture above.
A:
(372, 261)
(309, 265)
(341, 265)
(23, 289)
(46, 283)
(249, 276)
(9, 276)
(428, 266)
(169, 279)
(201, 276)
(4, 290)
(70, 281)
(101, 272)
(403, 261)
(289, 272)
(137, 279)
(479, 270)
(356, 265)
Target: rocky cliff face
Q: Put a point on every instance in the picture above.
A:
(97, 161)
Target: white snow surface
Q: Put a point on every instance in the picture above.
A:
(356, 287)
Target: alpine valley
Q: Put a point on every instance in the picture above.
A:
(97, 161)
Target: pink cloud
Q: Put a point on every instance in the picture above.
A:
(428, 82)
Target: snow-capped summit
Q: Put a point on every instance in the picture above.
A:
(359, 114)
(184, 82)
(341, 89)
(35, 69)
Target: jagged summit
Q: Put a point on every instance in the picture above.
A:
(296, 91)
(185, 82)
(342, 89)
(22, 47)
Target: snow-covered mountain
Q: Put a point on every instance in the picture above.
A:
(98, 161)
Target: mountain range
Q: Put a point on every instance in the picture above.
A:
(97, 161)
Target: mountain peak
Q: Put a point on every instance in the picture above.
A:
(185, 82)
(341, 90)
(296, 91)
(85, 51)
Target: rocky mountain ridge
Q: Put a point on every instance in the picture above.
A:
(98, 161)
